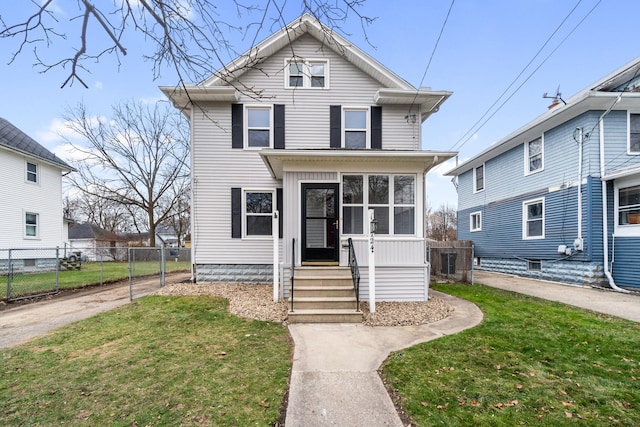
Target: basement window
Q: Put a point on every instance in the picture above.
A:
(534, 265)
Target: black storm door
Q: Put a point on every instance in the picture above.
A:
(320, 239)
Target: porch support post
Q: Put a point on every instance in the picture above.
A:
(372, 264)
(276, 255)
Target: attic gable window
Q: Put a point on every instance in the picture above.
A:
(634, 134)
(534, 156)
(307, 73)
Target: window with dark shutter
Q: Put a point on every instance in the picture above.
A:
(236, 213)
(237, 130)
(278, 126)
(335, 124)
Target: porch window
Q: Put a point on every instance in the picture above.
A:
(534, 160)
(533, 219)
(258, 213)
(629, 206)
(392, 198)
(258, 127)
(634, 134)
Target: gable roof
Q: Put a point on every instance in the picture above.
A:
(90, 231)
(14, 139)
(619, 90)
(397, 90)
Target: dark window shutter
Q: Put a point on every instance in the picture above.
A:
(236, 213)
(335, 126)
(237, 130)
(278, 126)
(279, 208)
(376, 127)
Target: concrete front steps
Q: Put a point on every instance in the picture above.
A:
(323, 295)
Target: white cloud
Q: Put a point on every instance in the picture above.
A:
(55, 132)
(98, 85)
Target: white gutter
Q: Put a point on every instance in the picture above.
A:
(605, 219)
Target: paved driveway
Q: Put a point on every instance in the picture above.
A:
(626, 306)
(21, 322)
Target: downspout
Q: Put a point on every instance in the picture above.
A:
(605, 217)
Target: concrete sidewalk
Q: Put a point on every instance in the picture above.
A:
(626, 306)
(334, 379)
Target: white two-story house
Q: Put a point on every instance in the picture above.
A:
(31, 210)
(332, 135)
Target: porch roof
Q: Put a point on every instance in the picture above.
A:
(275, 159)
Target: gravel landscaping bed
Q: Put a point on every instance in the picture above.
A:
(255, 302)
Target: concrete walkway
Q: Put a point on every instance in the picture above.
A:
(626, 306)
(334, 379)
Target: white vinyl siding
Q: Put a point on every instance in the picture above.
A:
(533, 219)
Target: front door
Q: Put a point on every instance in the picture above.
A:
(320, 239)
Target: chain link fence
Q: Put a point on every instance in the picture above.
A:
(35, 272)
(451, 261)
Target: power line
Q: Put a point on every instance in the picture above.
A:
(462, 141)
(433, 52)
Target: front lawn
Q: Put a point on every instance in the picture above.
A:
(160, 361)
(530, 362)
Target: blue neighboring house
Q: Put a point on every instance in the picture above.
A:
(559, 199)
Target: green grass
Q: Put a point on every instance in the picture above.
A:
(160, 361)
(91, 273)
(530, 362)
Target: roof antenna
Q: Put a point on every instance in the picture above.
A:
(556, 97)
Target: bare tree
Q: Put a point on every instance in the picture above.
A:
(441, 223)
(137, 159)
(180, 219)
(193, 37)
(99, 210)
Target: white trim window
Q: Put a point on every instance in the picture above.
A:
(478, 178)
(355, 128)
(533, 219)
(31, 225)
(475, 221)
(32, 172)
(534, 156)
(633, 134)
(259, 120)
(258, 212)
(628, 210)
(392, 198)
(307, 73)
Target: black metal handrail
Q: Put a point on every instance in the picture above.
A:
(293, 270)
(355, 272)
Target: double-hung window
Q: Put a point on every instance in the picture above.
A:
(634, 134)
(392, 198)
(258, 213)
(475, 221)
(356, 125)
(629, 206)
(533, 219)
(31, 224)
(32, 172)
(307, 73)
(534, 156)
(259, 134)
(478, 178)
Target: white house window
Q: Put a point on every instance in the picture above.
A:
(534, 159)
(258, 213)
(32, 172)
(355, 128)
(634, 134)
(307, 73)
(31, 224)
(392, 198)
(629, 206)
(475, 221)
(533, 219)
(259, 133)
(478, 179)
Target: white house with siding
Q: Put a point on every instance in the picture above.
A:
(332, 134)
(31, 176)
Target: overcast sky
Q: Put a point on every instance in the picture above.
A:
(487, 47)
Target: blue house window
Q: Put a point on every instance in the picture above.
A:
(478, 179)
(629, 206)
(475, 221)
(634, 133)
(533, 219)
(534, 158)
